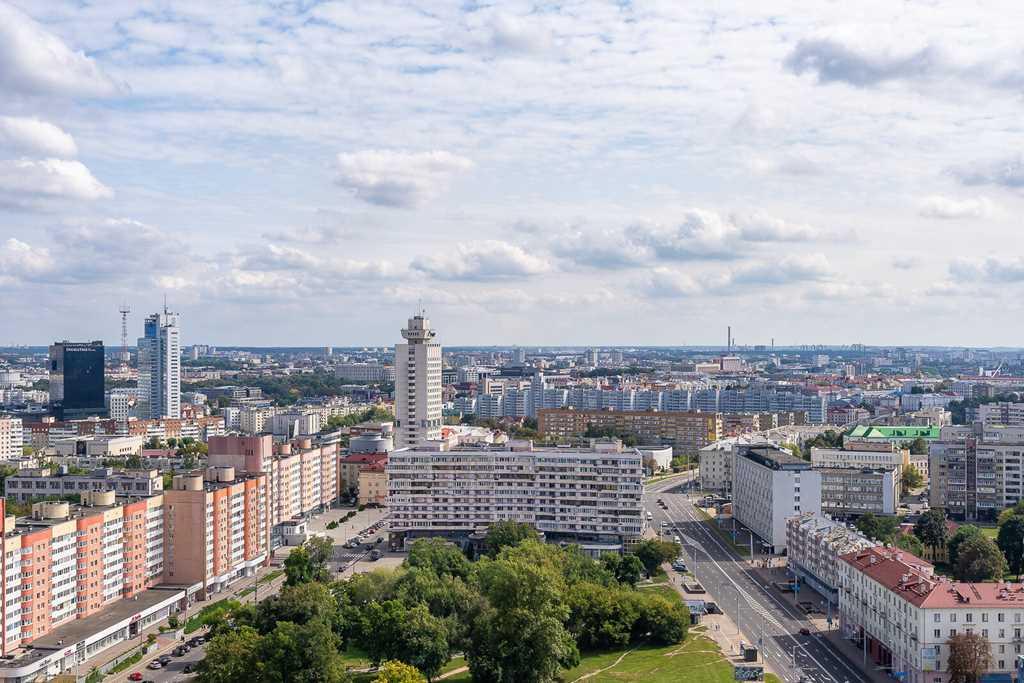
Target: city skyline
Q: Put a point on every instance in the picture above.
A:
(528, 173)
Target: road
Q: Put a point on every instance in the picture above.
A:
(759, 610)
(174, 672)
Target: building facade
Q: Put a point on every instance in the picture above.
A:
(770, 485)
(588, 496)
(975, 470)
(417, 385)
(686, 432)
(814, 544)
(11, 438)
(850, 492)
(160, 367)
(76, 380)
(41, 482)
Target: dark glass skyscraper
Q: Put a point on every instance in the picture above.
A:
(76, 380)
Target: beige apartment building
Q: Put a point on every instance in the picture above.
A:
(686, 432)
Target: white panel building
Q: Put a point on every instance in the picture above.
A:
(417, 385)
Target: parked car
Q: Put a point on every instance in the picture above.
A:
(675, 539)
(135, 676)
(155, 664)
(804, 631)
(164, 660)
(191, 667)
(375, 554)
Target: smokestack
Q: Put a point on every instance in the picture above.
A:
(728, 336)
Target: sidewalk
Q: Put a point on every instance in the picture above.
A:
(166, 642)
(819, 623)
(722, 630)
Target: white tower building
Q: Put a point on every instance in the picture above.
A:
(417, 385)
(160, 367)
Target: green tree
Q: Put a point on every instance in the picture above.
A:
(1011, 542)
(309, 561)
(1017, 509)
(600, 618)
(230, 657)
(879, 527)
(653, 552)
(909, 542)
(299, 604)
(911, 478)
(979, 559)
(398, 672)
(970, 656)
(962, 534)
(507, 533)
(414, 636)
(918, 446)
(627, 569)
(300, 654)
(662, 622)
(932, 529)
(439, 556)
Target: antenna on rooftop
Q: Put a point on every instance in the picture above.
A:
(125, 356)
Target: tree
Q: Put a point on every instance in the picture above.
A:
(309, 561)
(979, 559)
(1017, 509)
(299, 604)
(879, 527)
(931, 528)
(507, 533)
(398, 672)
(439, 556)
(909, 542)
(918, 446)
(230, 657)
(1011, 542)
(627, 569)
(653, 552)
(970, 656)
(963, 533)
(299, 654)
(911, 478)
(390, 630)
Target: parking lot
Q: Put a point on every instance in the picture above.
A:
(369, 529)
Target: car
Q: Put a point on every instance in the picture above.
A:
(135, 676)
(155, 664)
(164, 660)
(375, 555)
(650, 515)
(804, 631)
(191, 667)
(675, 539)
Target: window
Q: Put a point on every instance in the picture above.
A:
(937, 618)
(952, 632)
(938, 633)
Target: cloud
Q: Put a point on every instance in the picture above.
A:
(599, 248)
(22, 261)
(792, 164)
(28, 183)
(398, 179)
(486, 260)
(698, 235)
(36, 62)
(990, 269)
(835, 59)
(939, 207)
(1007, 172)
(759, 227)
(905, 262)
(326, 234)
(510, 34)
(787, 270)
(669, 283)
(32, 136)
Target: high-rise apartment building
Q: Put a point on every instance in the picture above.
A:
(11, 435)
(589, 496)
(160, 367)
(417, 385)
(686, 432)
(76, 380)
(976, 470)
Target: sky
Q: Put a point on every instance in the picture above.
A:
(300, 173)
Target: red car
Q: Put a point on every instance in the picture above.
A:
(135, 676)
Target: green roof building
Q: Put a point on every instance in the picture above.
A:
(897, 434)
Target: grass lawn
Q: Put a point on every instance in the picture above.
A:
(662, 589)
(723, 534)
(697, 660)
(990, 531)
(354, 658)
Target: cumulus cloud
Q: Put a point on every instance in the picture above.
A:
(788, 269)
(760, 227)
(669, 283)
(936, 206)
(905, 262)
(990, 269)
(486, 260)
(698, 235)
(32, 136)
(30, 183)
(398, 179)
(22, 261)
(1008, 172)
(36, 62)
(511, 34)
(283, 258)
(599, 248)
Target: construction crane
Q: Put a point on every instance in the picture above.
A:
(125, 356)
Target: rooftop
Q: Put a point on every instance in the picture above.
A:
(896, 432)
(771, 456)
